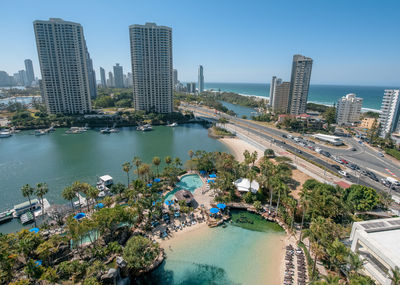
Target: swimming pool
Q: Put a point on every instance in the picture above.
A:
(188, 182)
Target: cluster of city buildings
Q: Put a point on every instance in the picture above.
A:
(190, 87)
(116, 78)
(24, 77)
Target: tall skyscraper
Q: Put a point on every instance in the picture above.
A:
(91, 77)
(299, 84)
(390, 112)
(275, 81)
(130, 79)
(201, 79)
(30, 75)
(348, 109)
(63, 59)
(151, 55)
(175, 77)
(5, 79)
(280, 103)
(191, 87)
(111, 82)
(118, 76)
(103, 77)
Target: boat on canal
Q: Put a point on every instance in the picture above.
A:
(6, 216)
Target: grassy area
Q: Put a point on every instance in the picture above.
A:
(217, 131)
(253, 222)
(393, 152)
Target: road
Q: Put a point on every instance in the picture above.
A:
(363, 156)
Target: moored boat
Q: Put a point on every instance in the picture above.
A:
(105, 131)
(145, 128)
(5, 134)
(172, 125)
(6, 216)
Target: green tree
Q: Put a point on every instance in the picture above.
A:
(361, 198)
(69, 194)
(168, 160)
(139, 253)
(126, 167)
(50, 275)
(156, 161)
(269, 153)
(395, 276)
(118, 188)
(137, 162)
(41, 190)
(330, 115)
(257, 205)
(190, 153)
(28, 191)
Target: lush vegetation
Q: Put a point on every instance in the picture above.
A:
(237, 99)
(113, 97)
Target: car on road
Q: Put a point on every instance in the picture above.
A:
(299, 151)
(360, 142)
(344, 161)
(381, 154)
(325, 153)
(337, 167)
(353, 149)
(284, 136)
(343, 173)
(385, 182)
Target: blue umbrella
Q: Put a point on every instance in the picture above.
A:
(99, 206)
(157, 180)
(158, 201)
(213, 175)
(79, 216)
(149, 185)
(169, 202)
(38, 263)
(202, 172)
(214, 210)
(34, 230)
(221, 206)
(210, 181)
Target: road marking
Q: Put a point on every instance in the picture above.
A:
(388, 170)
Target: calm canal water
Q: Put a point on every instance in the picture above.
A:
(60, 159)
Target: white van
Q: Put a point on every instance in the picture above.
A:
(393, 181)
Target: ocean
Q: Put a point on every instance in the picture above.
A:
(321, 94)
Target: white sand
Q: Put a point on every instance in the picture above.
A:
(238, 146)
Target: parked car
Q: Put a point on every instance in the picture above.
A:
(344, 161)
(284, 136)
(381, 154)
(343, 173)
(353, 149)
(337, 167)
(299, 151)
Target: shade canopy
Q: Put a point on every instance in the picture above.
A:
(210, 181)
(214, 210)
(213, 175)
(99, 206)
(38, 263)
(244, 185)
(34, 230)
(79, 216)
(221, 206)
(149, 185)
(169, 202)
(202, 172)
(157, 180)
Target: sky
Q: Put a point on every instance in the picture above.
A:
(352, 42)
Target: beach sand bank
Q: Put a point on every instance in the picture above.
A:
(238, 146)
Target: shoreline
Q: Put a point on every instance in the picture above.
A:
(237, 146)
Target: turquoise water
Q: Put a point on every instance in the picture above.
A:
(188, 182)
(231, 255)
(240, 110)
(322, 94)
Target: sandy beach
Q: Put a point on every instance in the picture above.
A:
(238, 146)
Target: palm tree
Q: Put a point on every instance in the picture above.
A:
(41, 190)
(251, 175)
(190, 153)
(69, 194)
(168, 160)
(137, 162)
(127, 166)
(177, 162)
(253, 157)
(246, 155)
(395, 277)
(355, 262)
(318, 251)
(156, 161)
(28, 191)
(93, 193)
(144, 170)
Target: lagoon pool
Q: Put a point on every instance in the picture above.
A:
(188, 182)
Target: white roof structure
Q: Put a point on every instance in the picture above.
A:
(105, 178)
(377, 242)
(243, 185)
(330, 139)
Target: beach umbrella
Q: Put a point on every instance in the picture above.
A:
(34, 230)
(210, 181)
(149, 185)
(221, 206)
(213, 175)
(157, 180)
(169, 202)
(214, 210)
(202, 172)
(99, 206)
(38, 263)
(79, 216)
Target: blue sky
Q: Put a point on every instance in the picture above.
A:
(352, 42)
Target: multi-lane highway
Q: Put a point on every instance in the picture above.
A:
(363, 156)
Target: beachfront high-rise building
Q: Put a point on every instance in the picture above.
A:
(151, 55)
(275, 81)
(118, 76)
(191, 87)
(20, 78)
(348, 109)
(390, 112)
(129, 79)
(103, 77)
(110, 81)
(201, 79)
(91, 77)
(299, 84)
(63, 59)
(280, 103)
(30, 75)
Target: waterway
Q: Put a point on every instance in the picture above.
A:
(60, 159)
